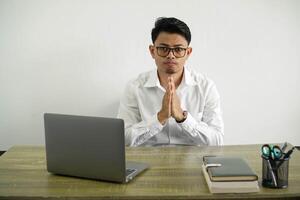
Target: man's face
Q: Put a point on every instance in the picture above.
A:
(167, 62)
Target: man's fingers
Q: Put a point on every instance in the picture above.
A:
(170, 87)
(169, 84)
(170, 96)
(170, 103)
(173, 84)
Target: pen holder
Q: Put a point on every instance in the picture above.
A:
(275, 173)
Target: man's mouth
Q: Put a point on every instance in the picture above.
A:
(170, 63)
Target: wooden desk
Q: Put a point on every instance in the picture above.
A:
(175, 173)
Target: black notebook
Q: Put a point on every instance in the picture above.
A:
(221, 168)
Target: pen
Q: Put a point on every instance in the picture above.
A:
(284, 147)
(288, 154)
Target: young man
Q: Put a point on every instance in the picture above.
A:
(171, 105)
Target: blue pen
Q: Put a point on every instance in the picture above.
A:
(287, 155)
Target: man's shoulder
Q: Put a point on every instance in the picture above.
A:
(142, 78)
(199, 79)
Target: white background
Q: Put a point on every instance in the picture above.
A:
(75, 57)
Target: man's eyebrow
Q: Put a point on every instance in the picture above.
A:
(176, 45)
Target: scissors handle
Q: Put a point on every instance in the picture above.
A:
(277, 152)
(272, 152)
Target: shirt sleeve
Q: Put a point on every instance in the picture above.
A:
(137, 131)
(207, 128)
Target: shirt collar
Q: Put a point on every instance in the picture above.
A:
(153, 80)
(188, 78)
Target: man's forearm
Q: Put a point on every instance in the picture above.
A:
(137, 134)
(203, 133)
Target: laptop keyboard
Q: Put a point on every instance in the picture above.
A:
(130, 171)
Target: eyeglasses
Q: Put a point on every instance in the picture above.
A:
(178, 52)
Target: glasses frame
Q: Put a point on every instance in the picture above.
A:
(171, 49)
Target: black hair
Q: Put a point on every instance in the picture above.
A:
(170, 25)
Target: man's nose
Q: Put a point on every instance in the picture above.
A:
(171, 54)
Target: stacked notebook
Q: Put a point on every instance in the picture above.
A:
(229, 175)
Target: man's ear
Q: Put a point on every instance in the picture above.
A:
(151, 50)
(189, 51)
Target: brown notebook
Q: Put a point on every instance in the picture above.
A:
(229, 169)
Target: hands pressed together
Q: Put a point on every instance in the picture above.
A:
(170, 104)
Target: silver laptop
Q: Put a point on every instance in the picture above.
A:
(88, 147)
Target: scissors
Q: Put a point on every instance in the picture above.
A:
(271, 152)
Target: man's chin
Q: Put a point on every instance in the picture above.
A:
(171, 70)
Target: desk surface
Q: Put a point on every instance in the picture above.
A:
(175, 173)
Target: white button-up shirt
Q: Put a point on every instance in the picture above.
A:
(198, 95)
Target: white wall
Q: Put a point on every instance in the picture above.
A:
(75, 57)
